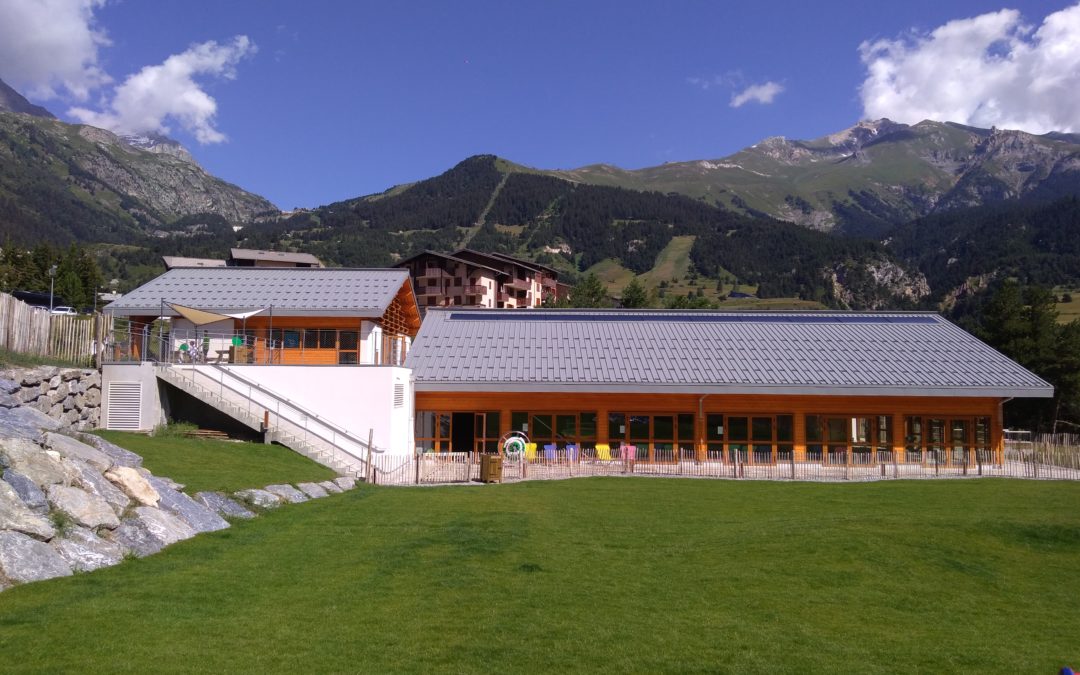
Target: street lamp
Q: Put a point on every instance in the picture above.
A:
(52, 282)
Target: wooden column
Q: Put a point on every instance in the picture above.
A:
(602, 427)
(898, 437)
(800, 437)
(997, 432)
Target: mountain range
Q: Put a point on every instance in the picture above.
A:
(878, 215)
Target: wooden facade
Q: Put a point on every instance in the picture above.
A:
(750, 428)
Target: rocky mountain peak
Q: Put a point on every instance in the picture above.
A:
(13, 101)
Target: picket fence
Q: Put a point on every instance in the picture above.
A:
(33, 330)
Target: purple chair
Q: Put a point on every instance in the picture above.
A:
(549, 452)
(571, 452)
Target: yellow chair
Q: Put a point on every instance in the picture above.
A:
(530, 452)
(603, 451)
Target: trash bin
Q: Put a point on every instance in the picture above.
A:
(490, 468)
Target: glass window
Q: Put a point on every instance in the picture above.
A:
(686, 429)
(738, 428)
(349, 339)
(519, 421)
(785, 428)
(347, 358)
(836, 428)
(566, 427)
(587, 426)
(541, 427)
(860, 430)
(639, 427)
(982, 432)
(884, 430)
(762, 428)
(492, 430)
(444, 426)
(292, 339)
(311, 339)
(425, 425)
(616, 425)
(714, 427)
(913, 432)
(327, 339)
(813, 428)
(664, 427)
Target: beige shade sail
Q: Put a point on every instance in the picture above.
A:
(200, 317)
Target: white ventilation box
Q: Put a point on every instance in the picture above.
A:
(125, 406)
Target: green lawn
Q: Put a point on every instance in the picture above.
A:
(609, 574)
(219, 465)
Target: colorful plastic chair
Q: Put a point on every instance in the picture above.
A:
(549, 452)
(603, 451)
(571, 452)
(530, 452)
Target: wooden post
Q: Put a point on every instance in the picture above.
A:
(370, 456)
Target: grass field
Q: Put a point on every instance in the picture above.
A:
(219, 465)
(590, 575)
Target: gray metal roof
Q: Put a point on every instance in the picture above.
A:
(291, 291)
(650, 351)
(273, 256)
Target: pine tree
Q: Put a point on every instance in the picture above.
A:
(634, 295)
(588, 292)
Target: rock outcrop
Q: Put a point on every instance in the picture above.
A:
(76, 503)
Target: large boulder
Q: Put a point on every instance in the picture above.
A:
(85, 551)
(260, 499)
(23, 559)
(27, 490)
(118, 455)
(345, 482)
(29, 459)
(134, 485)
(222, 505)
(187, 509)
(25, 422)
(9, 386)
(73, 449)
(287, 493)
(313, 490)
(330, 486)
(92, 481)
(16, 515)
(148, 530)
(86, 509)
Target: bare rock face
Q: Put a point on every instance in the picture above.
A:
(200, 518)
(118, 455)
(259, 498)
(23, 559)
(134, 485)
(93, 482)
(222, 505)
(86, 509)
(330, 486)
(85, 551)
(69, 447)
(287, 493)
(149, 530)
(16, 515)
(27, 457)
(313, 490)
(28, 491)
(345, 482)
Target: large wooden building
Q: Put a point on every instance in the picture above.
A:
(754, 387)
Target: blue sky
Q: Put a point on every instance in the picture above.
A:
(330, 100)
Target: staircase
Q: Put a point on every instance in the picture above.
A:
(286, 423)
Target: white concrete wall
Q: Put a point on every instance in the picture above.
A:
(151, 413)
(356, 398)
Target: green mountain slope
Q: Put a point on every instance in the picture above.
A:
(62, 182)
(865, 179)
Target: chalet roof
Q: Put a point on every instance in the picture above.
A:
(291, 291)
(667, 351)
(172, 261)
(274, 256)
(452, 258)
(502, 258)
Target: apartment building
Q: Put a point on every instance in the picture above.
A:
(468, 278)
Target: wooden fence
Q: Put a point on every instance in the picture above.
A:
(33, 330)
(1039, 461)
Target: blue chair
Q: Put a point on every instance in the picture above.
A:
(549, 452)
(571, 452)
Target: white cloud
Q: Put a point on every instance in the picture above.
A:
(763, 93)
(50, 47)
(148, 100)
(990, 70)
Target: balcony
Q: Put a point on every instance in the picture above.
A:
(519, 284)
(474, 289)
(549, 282)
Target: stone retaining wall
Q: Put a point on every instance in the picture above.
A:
(75, 502)
(71, 396)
